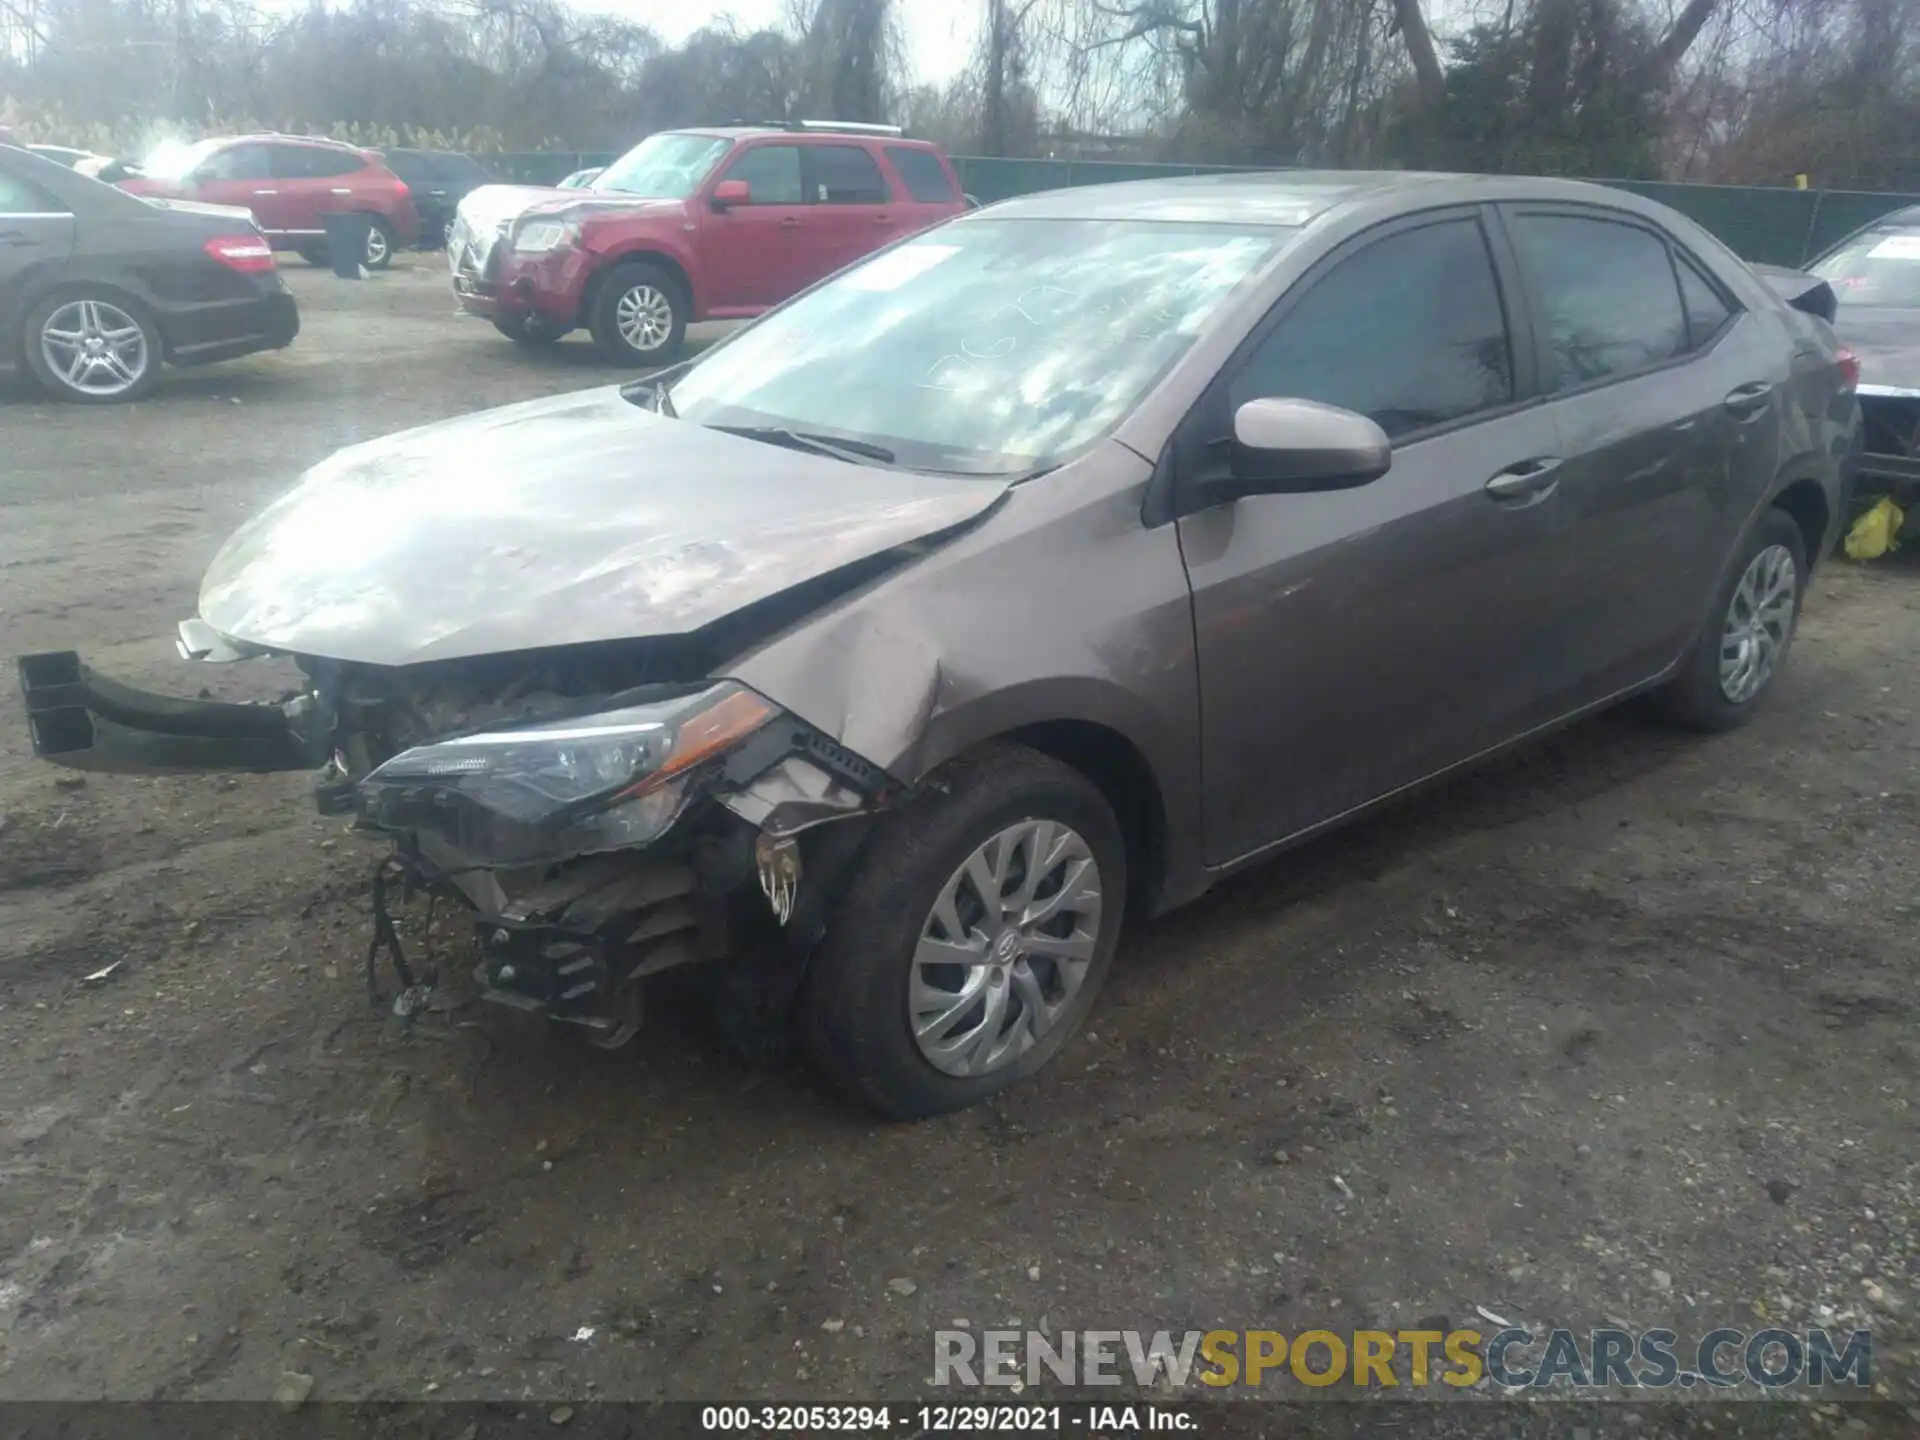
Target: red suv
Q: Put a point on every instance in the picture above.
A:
(290, 183)
(692, 225)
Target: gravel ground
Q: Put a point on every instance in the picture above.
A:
(1620, 1029)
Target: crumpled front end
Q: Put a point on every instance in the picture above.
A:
(600, 818)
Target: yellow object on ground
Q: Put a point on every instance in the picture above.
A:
(1872, 534)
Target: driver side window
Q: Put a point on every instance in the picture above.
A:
(774, 173)
(240, 162)
(1408, 332)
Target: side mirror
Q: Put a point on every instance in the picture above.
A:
(732, 192)
(1295, 447)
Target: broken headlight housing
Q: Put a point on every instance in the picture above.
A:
(541, 792)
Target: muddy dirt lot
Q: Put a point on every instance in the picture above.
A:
(1621, 1029)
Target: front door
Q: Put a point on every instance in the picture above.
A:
(756, 249)
(854, 208)
(1354, 642)
(238, 175)
(311, 183)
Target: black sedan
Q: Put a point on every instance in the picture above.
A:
(98, 287)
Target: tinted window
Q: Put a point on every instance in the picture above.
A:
(1707, 313)
(1609, 295)
(846, 175)
(238, 162)
(773, 171)
(410, 165)
(17, 197)
(457, 169)
(1409, 332)
(925, 177)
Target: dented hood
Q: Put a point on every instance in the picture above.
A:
(555, 522)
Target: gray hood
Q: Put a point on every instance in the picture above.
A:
(555, 522)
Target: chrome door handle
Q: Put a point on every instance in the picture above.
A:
(1750, 398)
(266, 192)
(790, 222)
(1527, 478)
(341, 190)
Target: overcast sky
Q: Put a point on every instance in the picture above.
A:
(940, 33)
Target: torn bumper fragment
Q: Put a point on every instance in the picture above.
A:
(84, 721)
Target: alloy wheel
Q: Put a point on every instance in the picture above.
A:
(644, 317)
(376, 246)
(95, 347)
(1759, 624)
(1005, 949)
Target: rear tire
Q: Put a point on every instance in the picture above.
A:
(874, 1015)
(381, 243)
(639, 315)
(1736, 661)
(92, 346)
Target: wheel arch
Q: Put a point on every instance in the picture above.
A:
(1805, 500)
(638, 254)
(73, 284)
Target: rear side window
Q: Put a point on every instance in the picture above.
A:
(17, 197)
(773, 172)
(312, 162)
(1608, 293)
(925, 177)
(457, 169)
(1409, 332)
(1707, 313)
(846, 175)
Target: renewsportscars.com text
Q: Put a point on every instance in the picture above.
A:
(1514, 1358)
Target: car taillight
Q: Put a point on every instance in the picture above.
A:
(1849, 364)
(248, 254)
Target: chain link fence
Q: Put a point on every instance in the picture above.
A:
(1771, 226)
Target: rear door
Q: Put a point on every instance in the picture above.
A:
(755, 254)
(854, 207)
(36, 236)
(932, 192)
(1667, 402)
(1354, 642)
(313, 181)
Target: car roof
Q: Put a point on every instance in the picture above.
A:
(268, 137)
(1294, 197)
(818, 136)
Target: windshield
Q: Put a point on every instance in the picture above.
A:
(174, 161)
(1880, 268)
(668, 166)
(986, 346)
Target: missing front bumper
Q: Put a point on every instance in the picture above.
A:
(84, 721)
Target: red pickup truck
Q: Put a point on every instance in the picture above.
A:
(710, 224)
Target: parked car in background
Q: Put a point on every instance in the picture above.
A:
(582, 179)
(439, 180)
(1055, 564)
(290, 183)
(693, 225)
(98, 288)
(1875, 277)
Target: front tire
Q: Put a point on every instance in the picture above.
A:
(530, 333)
(639, 316)
(92, 346)
(972, 937)
(1733, 666)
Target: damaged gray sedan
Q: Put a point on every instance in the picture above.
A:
(1045, 566)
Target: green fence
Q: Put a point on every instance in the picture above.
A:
(1772, 226)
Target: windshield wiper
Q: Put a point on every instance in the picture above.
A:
(859, 451)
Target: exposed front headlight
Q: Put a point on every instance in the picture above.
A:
(542, 792)
(537, 236)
